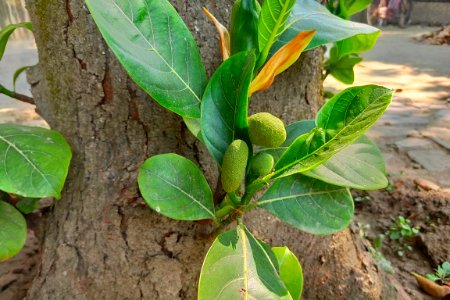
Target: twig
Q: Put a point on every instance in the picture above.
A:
(325, 75)
(17, 96)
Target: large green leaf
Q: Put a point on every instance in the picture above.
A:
(13, 231)
(359, 166)
(174, 186)
(156, 48)
(6, 31)
(290, 271)
(310, 15)
(341, 67)
(309, 204)
(225, 104)
(238, 267)
(33, 161)
(342, 120)
(272, 22)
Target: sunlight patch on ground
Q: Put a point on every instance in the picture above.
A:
(408, 82)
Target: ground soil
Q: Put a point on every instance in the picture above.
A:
(430, 210)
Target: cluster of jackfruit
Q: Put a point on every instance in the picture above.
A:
(264, 130)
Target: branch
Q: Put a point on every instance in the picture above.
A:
(17, 96)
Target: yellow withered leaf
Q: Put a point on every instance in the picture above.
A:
(224, 35)
(281, 60)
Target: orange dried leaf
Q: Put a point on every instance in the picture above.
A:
(224, 35)
(280, 61)
(432, 288)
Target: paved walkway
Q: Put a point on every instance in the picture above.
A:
(414, 133)
(18, 53)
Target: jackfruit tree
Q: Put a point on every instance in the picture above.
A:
(195, 194)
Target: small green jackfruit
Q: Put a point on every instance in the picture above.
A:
(234, 165)
(266, 130)
(262, 164)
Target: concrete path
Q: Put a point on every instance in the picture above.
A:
(18, 53)
(414, 133)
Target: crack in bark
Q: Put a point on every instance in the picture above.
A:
(6, 286)
(123, 230)
(69, 12)
(107, 86)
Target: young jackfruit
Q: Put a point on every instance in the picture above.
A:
(266, 130)
(234, 165)
(262, 164)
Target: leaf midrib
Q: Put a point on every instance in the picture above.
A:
(153, 48)
(245, 266)
(272, 36)
(298, 196)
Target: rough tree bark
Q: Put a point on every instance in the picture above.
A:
(101, 241)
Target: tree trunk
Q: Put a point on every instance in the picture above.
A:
(101, 240)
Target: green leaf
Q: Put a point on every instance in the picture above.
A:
(238, 267)
(13, 231)
(309, 204)
(432, 277)
(359, 166)
(341, 67)
(357, 44)
(28, 205)
(310, 15)
(156, 48)
(290, 271)
(194, 127)
(33, 161)
(173, 186)
(445, 269)
(225, 104)
(342, 120)
(17, 74)
(6, 31)
(272, 22)
(351, 7)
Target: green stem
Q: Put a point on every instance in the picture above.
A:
(254, 187)
(15, 95)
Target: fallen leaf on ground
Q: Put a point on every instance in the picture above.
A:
(432, 288)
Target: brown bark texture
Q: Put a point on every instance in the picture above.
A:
(101, 240)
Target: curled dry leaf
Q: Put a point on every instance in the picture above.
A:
(432, 288)
(224, 35)
(281, 60)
